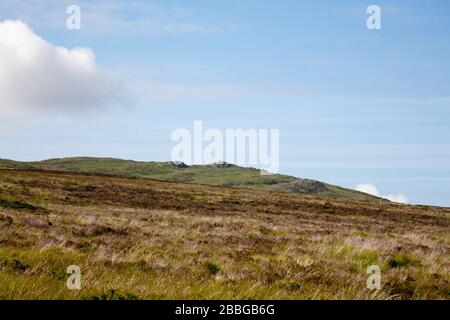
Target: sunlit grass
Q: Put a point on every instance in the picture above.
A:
(141, 239)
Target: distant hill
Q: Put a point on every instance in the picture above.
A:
(219, 174)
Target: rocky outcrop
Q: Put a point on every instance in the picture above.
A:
(178, 164)
(304, 186)
(222, 164)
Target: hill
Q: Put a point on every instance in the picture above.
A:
(221, 174)
(136, 238)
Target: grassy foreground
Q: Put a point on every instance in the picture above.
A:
(137, 238)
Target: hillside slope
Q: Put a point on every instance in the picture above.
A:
(216, 174)
(142, 238)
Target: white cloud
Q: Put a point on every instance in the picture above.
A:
(35, 74)
(373, 190)
(400, 198)
(368, 188)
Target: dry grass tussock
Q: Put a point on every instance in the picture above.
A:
(144, 239)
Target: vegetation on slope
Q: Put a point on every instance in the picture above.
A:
(144, 239)
(228, 175)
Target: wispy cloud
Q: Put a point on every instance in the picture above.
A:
(373, 190)
(115, 17)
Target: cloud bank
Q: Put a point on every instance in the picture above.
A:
(36, 75)
(371, 189)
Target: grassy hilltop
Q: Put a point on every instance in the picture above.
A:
(219, 174)
(137, 238)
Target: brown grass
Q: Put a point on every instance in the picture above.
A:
(139, 238)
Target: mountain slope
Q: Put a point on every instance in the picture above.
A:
(221, 174)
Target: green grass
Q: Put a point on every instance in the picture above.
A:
(399, 260)
(212, 267)
(233, 176)
(16, 205)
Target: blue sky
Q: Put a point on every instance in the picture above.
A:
(353, 105)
